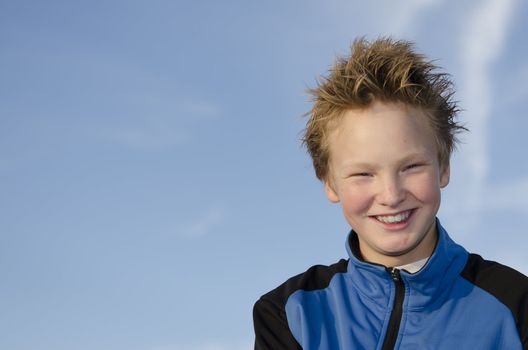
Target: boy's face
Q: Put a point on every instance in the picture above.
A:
(384, 170)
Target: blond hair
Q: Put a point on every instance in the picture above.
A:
(384, 70)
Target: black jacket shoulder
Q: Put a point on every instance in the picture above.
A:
(509, 286)
(269, 314)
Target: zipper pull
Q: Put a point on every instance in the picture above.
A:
(395, 274)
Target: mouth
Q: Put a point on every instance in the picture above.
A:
(397, 218)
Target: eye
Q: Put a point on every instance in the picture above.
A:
(413, 166)
(360, 174)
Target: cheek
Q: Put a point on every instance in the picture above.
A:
(356, 201)
(427, 188)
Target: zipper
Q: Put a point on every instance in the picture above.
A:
(397, 310)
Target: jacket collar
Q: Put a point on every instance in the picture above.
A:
(421, 288)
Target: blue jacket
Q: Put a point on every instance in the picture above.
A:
(456, 301)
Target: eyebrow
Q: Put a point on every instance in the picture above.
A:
(413, 156)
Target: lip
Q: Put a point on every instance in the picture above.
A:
(395, 226)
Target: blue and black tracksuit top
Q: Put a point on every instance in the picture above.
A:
(456, 301)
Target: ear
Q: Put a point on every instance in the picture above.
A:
(444, 175)
(330, 192)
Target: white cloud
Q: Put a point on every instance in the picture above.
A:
(481, 44)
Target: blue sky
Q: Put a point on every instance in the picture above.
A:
(153, 183)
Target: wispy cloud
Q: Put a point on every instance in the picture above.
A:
(480, 46)
(394, 17)
(146, 136)
(161, 123)
(405, 15)
(205, 224)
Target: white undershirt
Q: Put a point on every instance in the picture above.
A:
(414, 266)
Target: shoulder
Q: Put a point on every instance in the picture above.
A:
(492, 274)
(269, 315)
(495, 277)
(316, 277)
(507, 285)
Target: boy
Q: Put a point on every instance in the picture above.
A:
(380, 135)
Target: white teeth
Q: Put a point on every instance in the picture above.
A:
(391, 219)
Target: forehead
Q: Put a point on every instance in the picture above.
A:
(381, 132)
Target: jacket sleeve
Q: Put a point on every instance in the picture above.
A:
(271, 327)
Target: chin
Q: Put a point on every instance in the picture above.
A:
(400, 252)
(397, 249)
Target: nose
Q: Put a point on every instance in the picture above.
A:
(392, 193)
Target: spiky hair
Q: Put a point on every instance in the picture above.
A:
(383, 70)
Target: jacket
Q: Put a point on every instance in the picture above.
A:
(456, 301)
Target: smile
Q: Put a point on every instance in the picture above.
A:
(393, 219)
